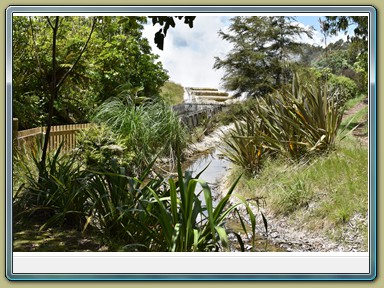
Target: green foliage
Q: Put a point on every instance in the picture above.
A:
(99, 147)
(335, 24)
(337, 60)
(294, 196)
(153, 125)
(116, 54)
(295, 123)
(344, 87)
(186, 223)
(359, 47)
(121, 56)
(122, 209)
(128, 213)
(172, 93)
(56, 197)
(243, 147)
(262, 49)
(308, 118)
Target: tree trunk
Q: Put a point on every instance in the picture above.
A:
(53, 96)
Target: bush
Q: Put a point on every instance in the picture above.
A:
(343, 88)
(55, 197)
(295, 123)
(243, 147)
(148, 130)
(98, 147)
(128, 213)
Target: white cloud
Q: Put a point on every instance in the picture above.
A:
(188, 54)
(318, 38)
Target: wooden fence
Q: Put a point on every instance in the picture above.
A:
(62, 133)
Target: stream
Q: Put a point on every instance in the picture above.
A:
(217, 169)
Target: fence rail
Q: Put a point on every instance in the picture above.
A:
(62, 133)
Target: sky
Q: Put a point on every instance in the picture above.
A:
(189, 54)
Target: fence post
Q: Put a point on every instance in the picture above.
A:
(15, 130)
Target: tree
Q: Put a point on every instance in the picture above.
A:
(57, 82)
(262, 49)
(310, 54)
(122, 60)
(359, 47)
(335, 24)
(52, 61)
(117, 57)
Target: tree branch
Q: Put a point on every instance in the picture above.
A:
(50, 23)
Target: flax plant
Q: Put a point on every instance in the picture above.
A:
(187, 224)
(296, 123)
(56, 197)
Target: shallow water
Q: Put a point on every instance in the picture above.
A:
(216, 168)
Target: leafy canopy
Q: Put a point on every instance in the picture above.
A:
(116, 57)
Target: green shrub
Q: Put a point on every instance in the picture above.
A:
(122, 210)
(98, 147)
(56, 196)
(189, 225)
(243, 147)
(147, 130)
(295, 122)
(300, 122)
(128, 213)
(343, 88)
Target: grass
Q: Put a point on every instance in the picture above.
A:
(352, 121)
(353, 102)
(323, 195)
(148, 130)
(172, 93)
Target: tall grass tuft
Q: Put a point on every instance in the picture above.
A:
(243, 147)
(149, 129)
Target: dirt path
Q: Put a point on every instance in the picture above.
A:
(355, 108)
(359, 132)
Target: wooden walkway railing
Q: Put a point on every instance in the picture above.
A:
(58, 134)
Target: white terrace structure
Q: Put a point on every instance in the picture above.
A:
(207, 96)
